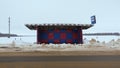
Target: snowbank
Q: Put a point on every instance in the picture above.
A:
(92, 45)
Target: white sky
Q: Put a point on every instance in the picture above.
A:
(59, 11)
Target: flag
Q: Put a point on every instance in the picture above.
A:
(93, 19)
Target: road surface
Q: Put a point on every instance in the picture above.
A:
(57, 58)
(60, 62)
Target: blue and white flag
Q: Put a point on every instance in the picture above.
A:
(93, 20)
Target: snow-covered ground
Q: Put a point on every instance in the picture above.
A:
(91, 45)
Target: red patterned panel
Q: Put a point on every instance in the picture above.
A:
(69, 41)
(56, 41)
(44, 41)
(63, 35)
(75, 35)
(50, 35)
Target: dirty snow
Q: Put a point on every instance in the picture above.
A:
(91, 45)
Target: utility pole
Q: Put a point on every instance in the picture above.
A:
(9, 27)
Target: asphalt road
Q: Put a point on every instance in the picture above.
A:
(57, 58)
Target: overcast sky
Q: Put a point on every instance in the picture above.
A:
(59, 11)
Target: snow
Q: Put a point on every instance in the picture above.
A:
(90, 45)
